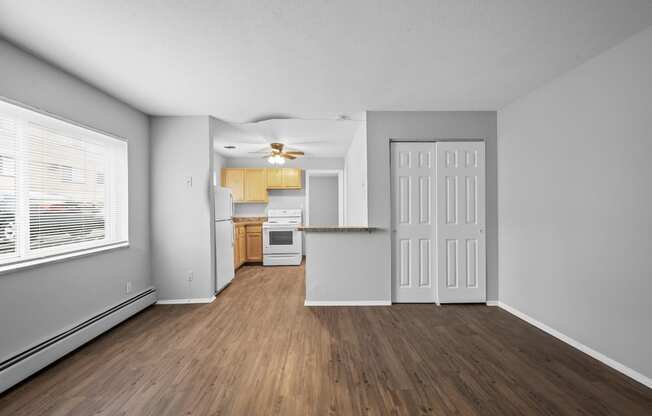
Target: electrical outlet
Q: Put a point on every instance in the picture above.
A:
(127, 287)
(190, 276)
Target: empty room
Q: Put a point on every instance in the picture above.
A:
(373, 207)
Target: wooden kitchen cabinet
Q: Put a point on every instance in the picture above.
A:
(251, 184)
(284, 178)
(239, 249)
(275, 178)
(254, 243)
(235, 180)
(255, 189)
(242, 246)
(236, 252)
(291, 178)
(248, 245)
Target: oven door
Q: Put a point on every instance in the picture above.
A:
(281, 240)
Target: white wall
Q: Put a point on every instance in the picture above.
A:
(355, 177)
(575, 203)
(218, 163)
(43, 301)
(182, 215)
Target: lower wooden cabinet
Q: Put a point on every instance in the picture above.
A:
(242, 246)
(239, 246)
(254, 243)
(248, 245)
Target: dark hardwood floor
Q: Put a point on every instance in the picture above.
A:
(257, 350)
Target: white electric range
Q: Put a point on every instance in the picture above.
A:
(281, 238)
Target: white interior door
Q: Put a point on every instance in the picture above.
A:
(413, 222)
(461, 265)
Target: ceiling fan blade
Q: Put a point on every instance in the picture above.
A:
(288, 156)
(295, 153)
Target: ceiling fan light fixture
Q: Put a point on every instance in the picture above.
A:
(276, 159)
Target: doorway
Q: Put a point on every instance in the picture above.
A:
(438, 222)
(324, 197)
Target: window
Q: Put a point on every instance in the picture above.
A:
(63, 188)
(7, 166)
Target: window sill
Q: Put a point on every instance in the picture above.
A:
(56, 258)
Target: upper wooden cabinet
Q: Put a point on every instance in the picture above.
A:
(255, 189)
(291, 178)
(283, 178)
(275, 178)
(251, 184)
(234, 179)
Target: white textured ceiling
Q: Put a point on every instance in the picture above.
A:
(245, 59)
(317, 138)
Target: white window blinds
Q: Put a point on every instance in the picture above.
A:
(63, 188)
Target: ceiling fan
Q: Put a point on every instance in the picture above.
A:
(277, 156)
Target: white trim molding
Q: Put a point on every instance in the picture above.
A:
(347, 303)
(184, 301)
(492, 303)
(646, 381)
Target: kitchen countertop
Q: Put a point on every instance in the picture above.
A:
(336, 228)
(249, 220)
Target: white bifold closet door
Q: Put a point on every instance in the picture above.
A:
(413, 222)
(438, 222)
(460, 229)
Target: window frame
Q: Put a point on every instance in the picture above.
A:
(55, 254)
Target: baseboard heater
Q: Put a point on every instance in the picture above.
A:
(26, 363)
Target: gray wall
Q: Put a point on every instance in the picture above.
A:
(182, 216)
(43, 301)
(575, 204)
(344, 267)
(324, 204)
(385, 125)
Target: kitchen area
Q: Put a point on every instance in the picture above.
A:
(257, 238)
(260, 206)
(245, 198)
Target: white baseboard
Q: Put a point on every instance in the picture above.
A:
(32, 360)
(184, 301)
(347, 303)
(492, 303)
(646, 381)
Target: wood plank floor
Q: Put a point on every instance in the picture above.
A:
(257, 350)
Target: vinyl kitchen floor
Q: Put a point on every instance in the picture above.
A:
(257, 350)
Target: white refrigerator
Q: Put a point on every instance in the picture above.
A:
(223, 238)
